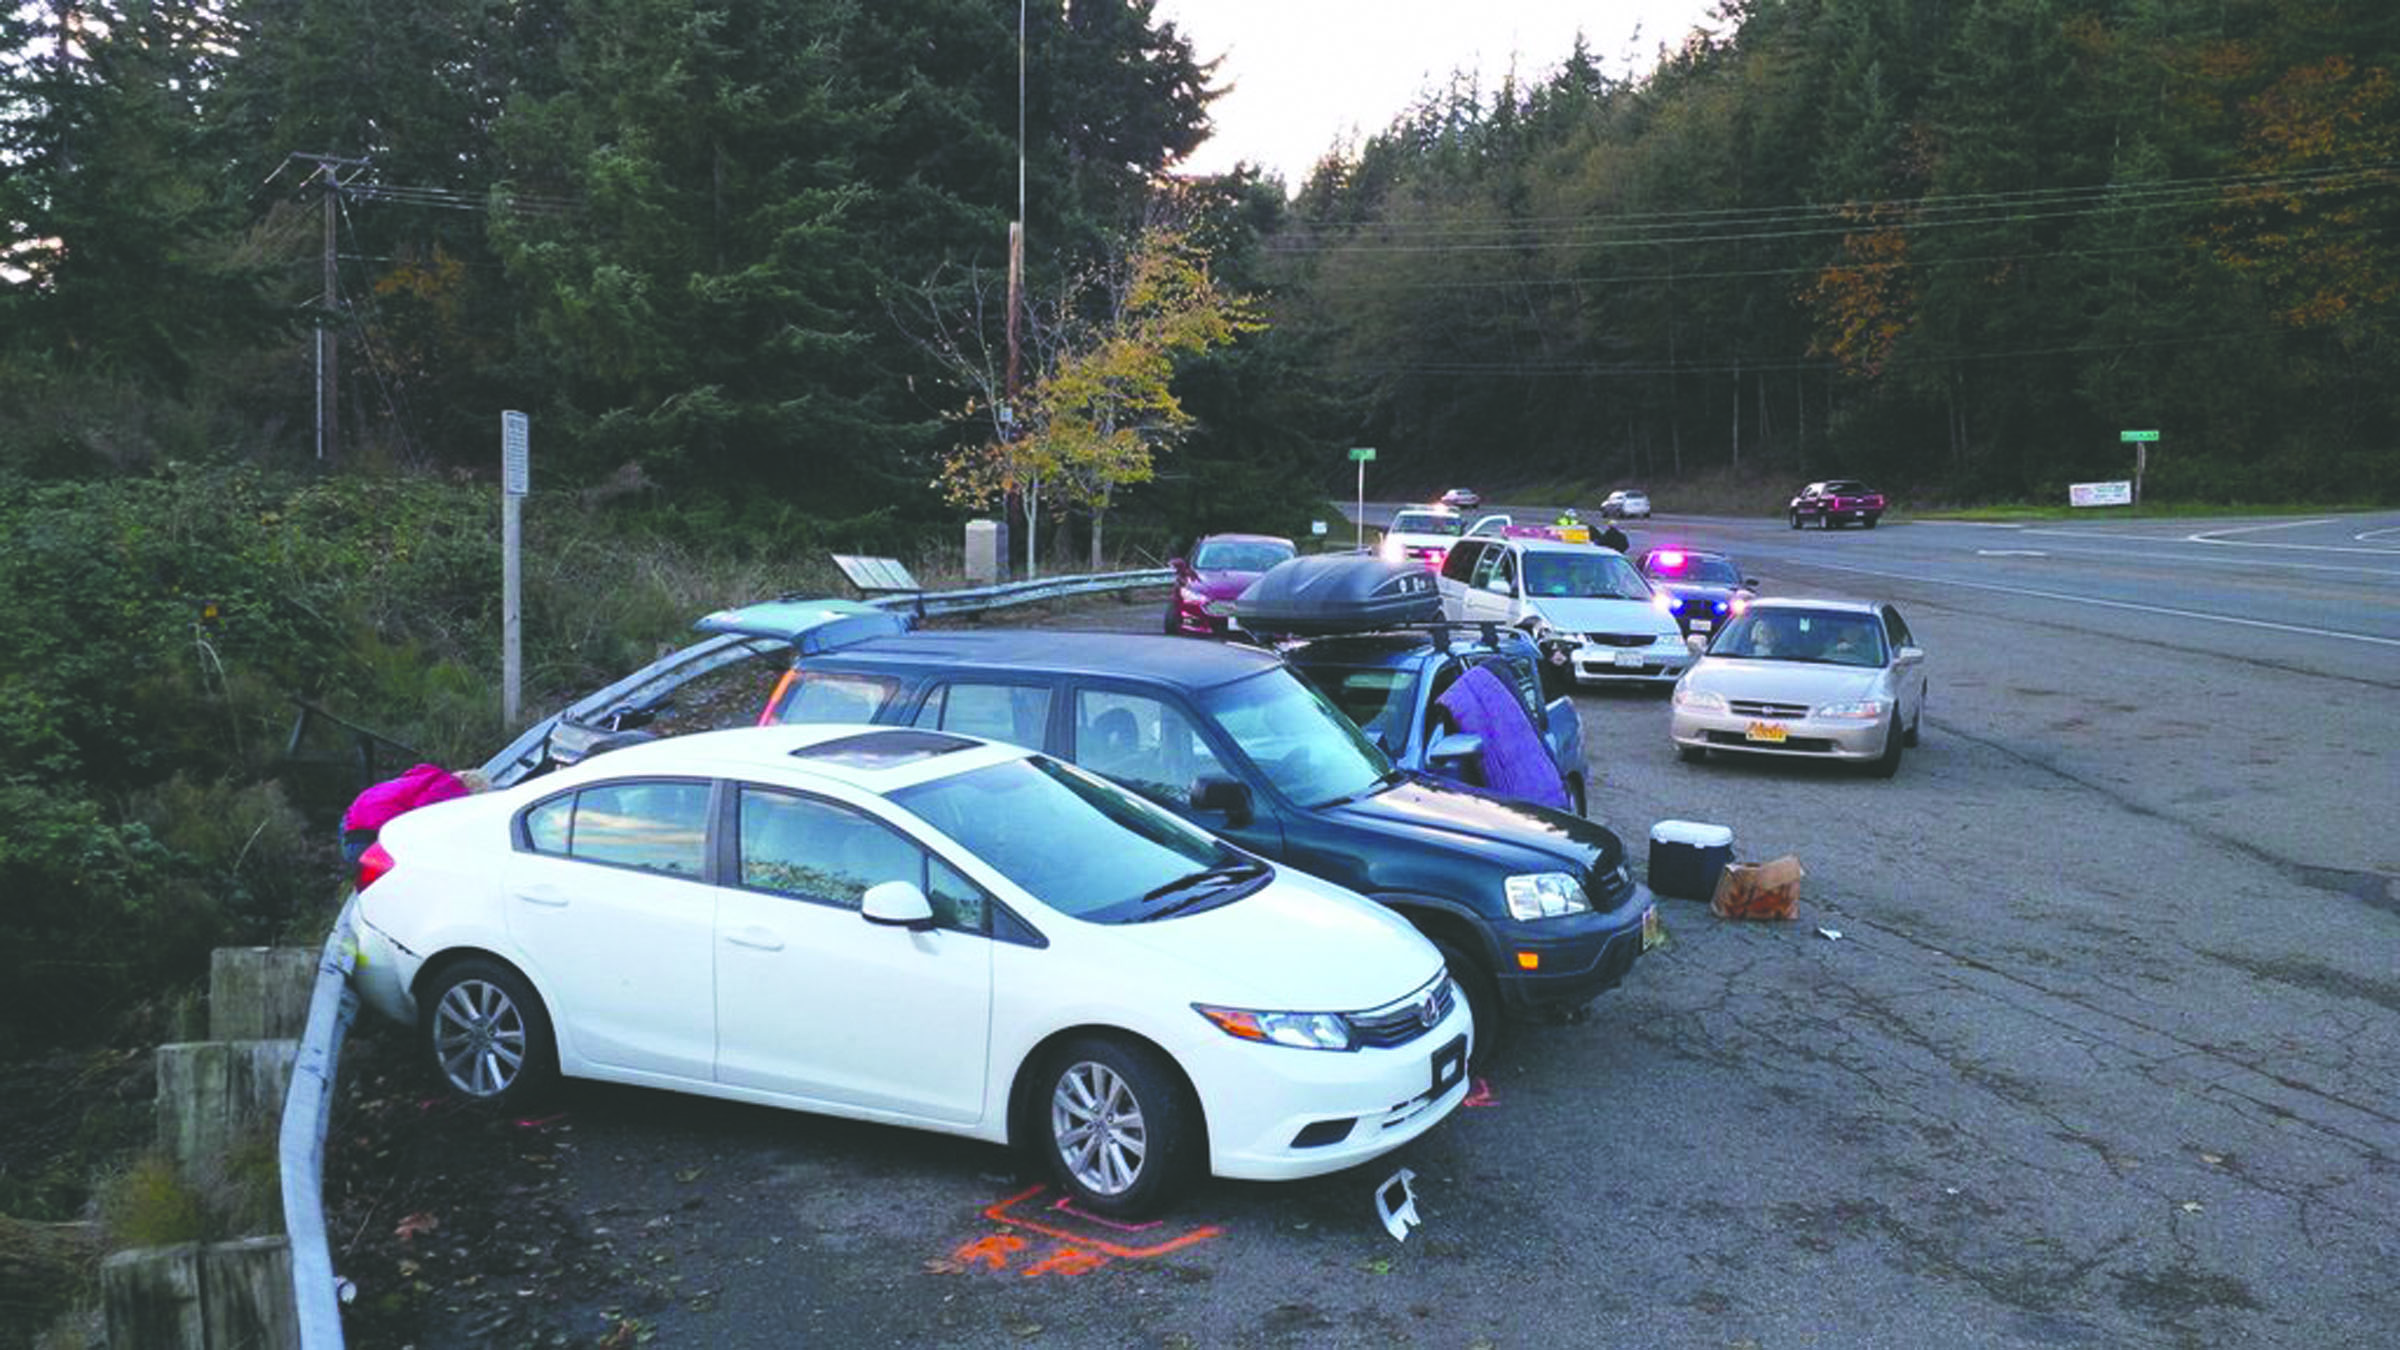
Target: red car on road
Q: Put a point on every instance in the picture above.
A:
(1836, 502)
(1219, 569)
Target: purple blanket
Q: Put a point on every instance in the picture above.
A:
(1516, 761)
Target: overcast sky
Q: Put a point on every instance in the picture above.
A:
(1309, 73)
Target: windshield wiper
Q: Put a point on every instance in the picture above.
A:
(1186, 891)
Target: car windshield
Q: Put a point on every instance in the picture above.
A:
(1300, 742)
(1424, 522)
(1818, 637)
(1687, 567)
(1598, 574)
(1082, 845)
(1382, 700)
(1239, 555)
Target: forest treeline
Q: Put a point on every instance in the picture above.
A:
(270, 270)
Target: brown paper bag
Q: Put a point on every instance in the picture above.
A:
(1768, 890)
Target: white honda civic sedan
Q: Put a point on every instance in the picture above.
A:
(916, 928)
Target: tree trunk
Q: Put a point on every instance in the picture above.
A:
(1099, 514)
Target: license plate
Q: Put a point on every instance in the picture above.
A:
(1700, 625)
(1628, 657)
(1232, 624)
(1771, 733)
(1449, 1065)
(1652, 933)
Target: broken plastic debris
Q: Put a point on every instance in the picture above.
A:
(1396, 1204)
(1830, 934)
(344, 1291)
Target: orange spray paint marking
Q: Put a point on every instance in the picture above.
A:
(1000, 1213)
(1066, 1261)
(1066, 1206)
(992, 1251)
(1480, 1095)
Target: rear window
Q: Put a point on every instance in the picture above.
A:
(834, 696)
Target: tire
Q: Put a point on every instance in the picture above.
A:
(1483, 999)
(487, 1034)
(1690, 754)
(1869, 522)
(1118, 1128)
(1575, 797)
(1795, 520)
(1888, 763)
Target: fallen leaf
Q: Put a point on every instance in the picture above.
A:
(2191, 1206)
(407, 1229)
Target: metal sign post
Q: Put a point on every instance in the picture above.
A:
(516, 438)
(1360, 455)
(2140, 441)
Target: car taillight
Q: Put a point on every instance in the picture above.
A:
(372, 865)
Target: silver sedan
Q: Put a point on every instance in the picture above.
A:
(1808, 679)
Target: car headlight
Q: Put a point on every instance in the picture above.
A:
(1699, 700)
(1862, 710)
(1392, 552)
(1300, 1030)
(1664, 603)
(1546, 895)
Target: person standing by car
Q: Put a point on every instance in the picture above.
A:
(1610, 536)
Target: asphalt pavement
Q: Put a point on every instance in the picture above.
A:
(2087, 1034)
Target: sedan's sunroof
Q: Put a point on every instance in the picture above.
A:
(883, 749)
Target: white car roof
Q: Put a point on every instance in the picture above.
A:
(1765, 602)
(873, 759)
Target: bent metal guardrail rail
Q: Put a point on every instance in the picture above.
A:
(334, 1004)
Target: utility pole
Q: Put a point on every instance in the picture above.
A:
(1016, 287)
(329, 168)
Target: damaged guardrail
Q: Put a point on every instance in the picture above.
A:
(308, 1107)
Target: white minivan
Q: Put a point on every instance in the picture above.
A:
(1597, 620)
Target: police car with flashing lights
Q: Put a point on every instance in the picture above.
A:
(1703, 590)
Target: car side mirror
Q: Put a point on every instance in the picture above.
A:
(1499, 586)
(1749, 583)
(1216, 793)
(1697, 643)
(1452, 752)
(897, 904)
(1179, 566)
(1909, 654)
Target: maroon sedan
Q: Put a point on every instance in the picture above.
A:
(1221, 567)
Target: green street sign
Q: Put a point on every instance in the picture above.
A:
(1362, 453)
(2137, 435)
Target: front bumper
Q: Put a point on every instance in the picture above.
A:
(1662, 662)
(1353, 1105)
(1835, 738)
(1575, 959)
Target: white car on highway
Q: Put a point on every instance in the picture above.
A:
(1597, 620)
(916, 928)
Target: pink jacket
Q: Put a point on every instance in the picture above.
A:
(420, 786)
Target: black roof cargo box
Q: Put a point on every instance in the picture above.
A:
(1338, 593)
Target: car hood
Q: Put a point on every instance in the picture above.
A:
(1221, 585)
(1783, 681)
(1298, 945)
(1511, 836)
(1585, 614)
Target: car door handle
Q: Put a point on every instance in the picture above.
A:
(545, 896)
(756, 938)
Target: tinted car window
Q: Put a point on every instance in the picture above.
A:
(657, 826)
(1016, 713)
(1382, 700)
(835, 696)
(1302, 743)
(1082, 846)
(1239, 555)
(1460, 564)
(1142, 742)
(1426, 522)
(1598, 573)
